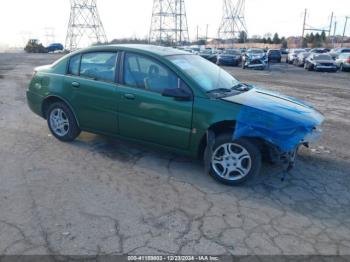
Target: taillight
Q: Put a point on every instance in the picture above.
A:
(348, 60)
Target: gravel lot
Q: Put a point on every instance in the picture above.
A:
(101, 196)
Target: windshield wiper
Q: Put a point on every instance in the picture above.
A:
(220, 90)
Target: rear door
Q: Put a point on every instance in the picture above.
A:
(91, 80)
(143, 112)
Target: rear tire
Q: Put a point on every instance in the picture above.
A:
(62, 122)
(233, 162)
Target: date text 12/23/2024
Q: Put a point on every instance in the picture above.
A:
(173, 258)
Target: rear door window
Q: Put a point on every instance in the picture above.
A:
(100, 66)
(74, 63)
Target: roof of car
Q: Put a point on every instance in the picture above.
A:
(157, 50)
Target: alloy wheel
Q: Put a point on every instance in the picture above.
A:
(231, 161)
(59, 122)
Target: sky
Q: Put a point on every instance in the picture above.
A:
(21, 19)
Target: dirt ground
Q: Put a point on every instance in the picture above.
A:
(104, 196)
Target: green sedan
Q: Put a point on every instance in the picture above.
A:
(173, 100)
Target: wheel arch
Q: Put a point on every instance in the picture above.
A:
(228, 126)
(49, 100)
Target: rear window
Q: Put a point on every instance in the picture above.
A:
(345, 51)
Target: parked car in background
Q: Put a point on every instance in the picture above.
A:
(293, 53)
(254, 58)
(208, 54)
(343, 62)
(337, 51)
(319, 50)
(174, 100)
(274, 55)
(284, 51)
(55, 47)
(195, 50)
(300, 60)
(320, 62)
(231, 57)
(243, 50)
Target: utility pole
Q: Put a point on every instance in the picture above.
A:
(335, 29)
(345, 25)
(330, 25)
(197, 33)
(302, 35)
(206, 34)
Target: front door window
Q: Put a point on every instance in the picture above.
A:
(146, 73)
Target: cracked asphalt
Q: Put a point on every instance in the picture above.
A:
(104, 196)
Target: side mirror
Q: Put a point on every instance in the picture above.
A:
(177, 93)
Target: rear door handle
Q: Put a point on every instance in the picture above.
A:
(129, 96)
(75, 84)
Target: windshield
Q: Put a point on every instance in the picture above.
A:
(323, 57)
(256, 51)
(206, 74)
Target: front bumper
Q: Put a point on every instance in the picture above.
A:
(256, 64)
(325, 68)
(223, 61)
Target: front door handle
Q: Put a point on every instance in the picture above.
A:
(129, 96)
(75, 84)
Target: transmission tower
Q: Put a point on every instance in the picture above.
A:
(84, 24)
(169, 22)
(233, 20)
(49, 35)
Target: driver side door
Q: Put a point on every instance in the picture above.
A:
(143, 112)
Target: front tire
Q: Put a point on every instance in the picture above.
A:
(233, 162)
(62, 122)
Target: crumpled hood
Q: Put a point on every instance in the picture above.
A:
(279, 119)
(278, 104)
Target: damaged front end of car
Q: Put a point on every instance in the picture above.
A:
(282, 123)
(255, 61)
